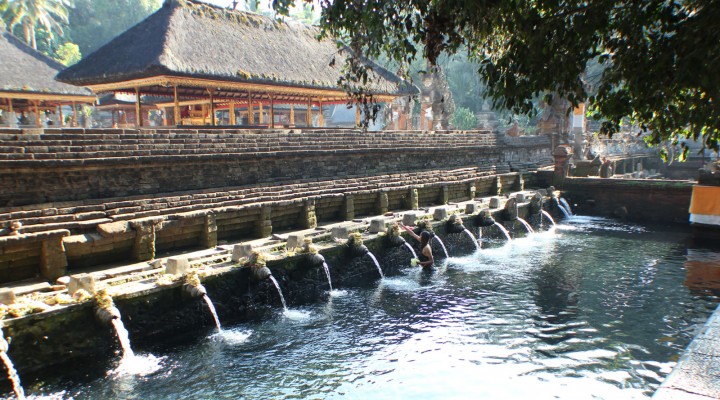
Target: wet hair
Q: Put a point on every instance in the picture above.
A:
(425, 237)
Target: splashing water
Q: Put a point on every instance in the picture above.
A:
(503, 230)
(470, 235)
(409, 247)
(327, 272)
(548, 216)
(565, 206)
(130, 364)
(123, 337)
(377, 264)
(526, 225)
(13, 375)
(562, 208)
(442, 245)
(277, 286)
(211, 307)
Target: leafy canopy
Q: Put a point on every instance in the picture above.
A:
(654, 61)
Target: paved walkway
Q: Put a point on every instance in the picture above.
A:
(697, 374)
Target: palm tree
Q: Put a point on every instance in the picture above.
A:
(30, 14)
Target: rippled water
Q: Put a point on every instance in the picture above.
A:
(596, 310)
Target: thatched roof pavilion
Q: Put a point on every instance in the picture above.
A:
(27, 81)
(190, 51)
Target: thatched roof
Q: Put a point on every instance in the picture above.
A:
(192, 39)
(23, 69)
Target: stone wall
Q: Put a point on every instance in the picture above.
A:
(139, 235)
(633, 199)
(75, 164)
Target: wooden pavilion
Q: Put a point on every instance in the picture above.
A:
(203, 58)
(28, 87)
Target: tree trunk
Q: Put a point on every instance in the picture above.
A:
(32, 36)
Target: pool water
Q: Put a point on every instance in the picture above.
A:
(597, 309)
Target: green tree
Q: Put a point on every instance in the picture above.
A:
(29, 15)
(95, 22)
(658, 57)
(464, 119)
(68, 54)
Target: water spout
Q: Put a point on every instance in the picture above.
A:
(564, 207)
(211, 307)
(548, 216)
(123, 337)
(277, 286)
(12, 373)
(377, 264)
(470, 235)
(504, 231)
(442, 245)
(526, 225)
(409, 247)
(327, 272)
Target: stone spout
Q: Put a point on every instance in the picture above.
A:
(260, 273)
(315, 259)
(484, 219)
(195, 291)
(454, 224)
(536, 203)
(511, 211)
(192, 286)
(107, 314)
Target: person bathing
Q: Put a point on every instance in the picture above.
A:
(425, 256)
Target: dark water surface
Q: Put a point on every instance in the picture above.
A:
(597, 310)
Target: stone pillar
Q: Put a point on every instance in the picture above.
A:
(53, 260)
(349, 207)
(496, 189)
(414, 199)
(520, 182)
(144, 246)
(209, 234)
(562, 155)
(444, 195)
(472, 190)
(308, 219)
(382, 202)
(263, 227)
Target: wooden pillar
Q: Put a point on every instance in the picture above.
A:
(292, 114)
(260, 113)
(203, 107)
(177, 106)
(212, 108)
(321, 122)
(251, 112)
(138, 111)
(74, 117)
(357, 115)
(38, 123)
(272, 111)
(112, 118)
(166, 111)
(62, 122)
(309, 113)
(232, 112)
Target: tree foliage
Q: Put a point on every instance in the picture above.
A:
(657, 57)
(464, 119)
(95, 22)
(30, 15)
(68, 54)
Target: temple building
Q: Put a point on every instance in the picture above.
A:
(218, 66)
(29, 94)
